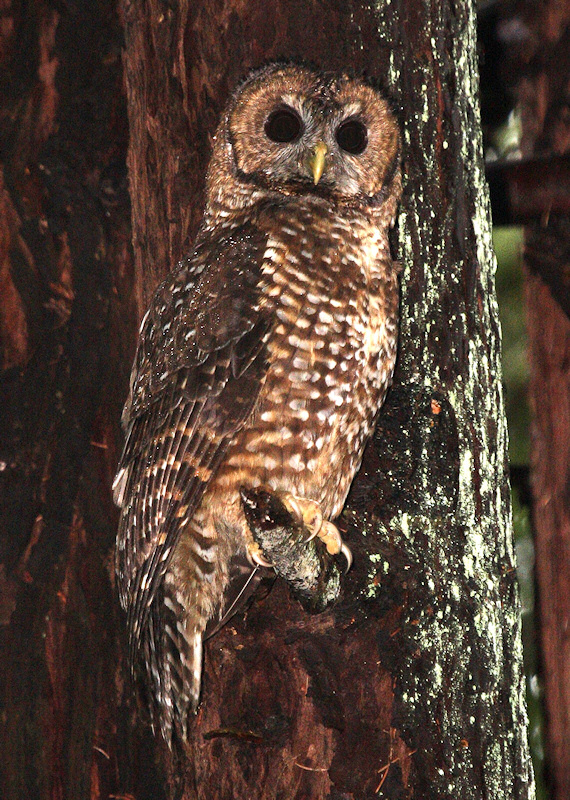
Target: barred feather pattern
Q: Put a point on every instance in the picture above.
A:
(262, 361)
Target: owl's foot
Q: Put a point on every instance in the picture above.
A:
(255, 556)
(310, 514)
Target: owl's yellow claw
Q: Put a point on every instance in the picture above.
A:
(330, 535)
(255, 556)
(309, 512)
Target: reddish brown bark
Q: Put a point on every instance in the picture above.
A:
(543, 91)
(396, 691)
(301, 706)
(67, 330)
(549, 350)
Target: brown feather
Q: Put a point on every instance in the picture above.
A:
(263, 359)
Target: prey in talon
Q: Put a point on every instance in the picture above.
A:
(262, 361)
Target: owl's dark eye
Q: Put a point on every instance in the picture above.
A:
(283, 126)
(352, 136)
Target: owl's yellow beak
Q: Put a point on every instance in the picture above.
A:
(317, 161)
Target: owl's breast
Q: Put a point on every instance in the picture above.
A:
(335, 301)
(331, 357)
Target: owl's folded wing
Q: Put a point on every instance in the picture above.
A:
(200, 365)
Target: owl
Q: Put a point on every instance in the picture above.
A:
(262, 360)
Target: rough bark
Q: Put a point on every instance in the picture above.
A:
(410, 686)
(543, 92)
(549, 352)
(67, 330)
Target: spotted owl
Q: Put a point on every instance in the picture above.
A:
(262, 360)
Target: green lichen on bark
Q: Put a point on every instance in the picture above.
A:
(458, 653)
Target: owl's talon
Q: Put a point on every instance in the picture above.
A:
(307, 511)
(330, 535)
(346, 552)
(292, 504)
(256, 558)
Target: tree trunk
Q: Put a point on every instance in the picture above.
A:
(411, 685)
(549, 351)
(67, 330)
(544, 80)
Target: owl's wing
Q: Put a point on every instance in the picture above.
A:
(200, 364)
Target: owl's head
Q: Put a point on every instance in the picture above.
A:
(294, 131)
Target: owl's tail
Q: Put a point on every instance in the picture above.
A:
(172, 654)
(183, 632)
(172, 642)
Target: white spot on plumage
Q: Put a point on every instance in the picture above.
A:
(143, 321)
(290, 301)
(296, 462)
(283, 314)
(324, 414)
(271, 254)
(300, 361)
(296, 404)
(289, 230)
(296, 273)
(299, 376)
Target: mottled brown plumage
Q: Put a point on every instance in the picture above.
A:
(262, 360)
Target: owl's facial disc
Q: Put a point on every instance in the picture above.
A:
(296, 132)
(310, 146)
(310, 142)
